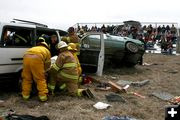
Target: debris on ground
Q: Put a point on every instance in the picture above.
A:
(88, 93)
(87, 80)
(112, 97)
(101, 105)
(102, 87)
(171, 71)
(25, 117)
(137, 94)
(138, 83)
(163, 95)
(126, 87)
(175, 100)
(114, 78)
(116, 88)
(146, 64)
(124, 82)
(118, 118)
(1, 101)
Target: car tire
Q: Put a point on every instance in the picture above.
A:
(131, 47)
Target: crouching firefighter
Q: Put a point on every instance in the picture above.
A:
(35, 63)
(64, 72)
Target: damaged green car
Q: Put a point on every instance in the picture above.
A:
(98, 49)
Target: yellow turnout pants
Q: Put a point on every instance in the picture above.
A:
(33, 69)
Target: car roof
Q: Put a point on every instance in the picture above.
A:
(62, 32)
(17, 24)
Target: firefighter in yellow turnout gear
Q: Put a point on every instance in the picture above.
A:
(65, 72)
(35, 62)
(72, 38)
(72, 47)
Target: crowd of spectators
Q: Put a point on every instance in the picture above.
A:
(165, 35)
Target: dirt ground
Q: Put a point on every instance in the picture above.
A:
(61, 107)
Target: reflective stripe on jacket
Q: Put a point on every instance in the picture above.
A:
(66, 65)
(78, 64)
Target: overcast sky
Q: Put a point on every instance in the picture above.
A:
(65, 13)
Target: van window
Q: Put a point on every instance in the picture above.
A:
(16, 36)
(53, 39)
(92, 42)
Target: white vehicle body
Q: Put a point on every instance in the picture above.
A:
(12, 55)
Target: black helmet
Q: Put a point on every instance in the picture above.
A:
(44, 39)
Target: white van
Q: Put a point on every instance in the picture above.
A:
(15, 39)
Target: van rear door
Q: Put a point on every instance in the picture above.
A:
(92, 53)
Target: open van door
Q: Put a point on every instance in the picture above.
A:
(92, 53)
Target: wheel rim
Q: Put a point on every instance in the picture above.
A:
(132, 47)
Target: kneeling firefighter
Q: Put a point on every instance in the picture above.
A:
(64, 72)
(35, 62)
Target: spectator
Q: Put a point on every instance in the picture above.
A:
(167, 28)
(103, 29)
(159, 29)
(163, 29)
(149, 29)
(173, 29)
(163, 43)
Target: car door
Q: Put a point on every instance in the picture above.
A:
(14, 41)
(92, 53)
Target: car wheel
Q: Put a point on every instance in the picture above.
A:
(131, 47)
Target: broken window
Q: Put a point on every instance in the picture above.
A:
(16, 36)
(53, 39)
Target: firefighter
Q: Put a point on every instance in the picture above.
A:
(64, 73)
(53, 43)
(72, 38)
(36, 62)
(81, 33)
(72, 48)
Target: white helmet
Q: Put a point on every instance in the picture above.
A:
(61, 44)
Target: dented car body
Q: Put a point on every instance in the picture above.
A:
(117, 50)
